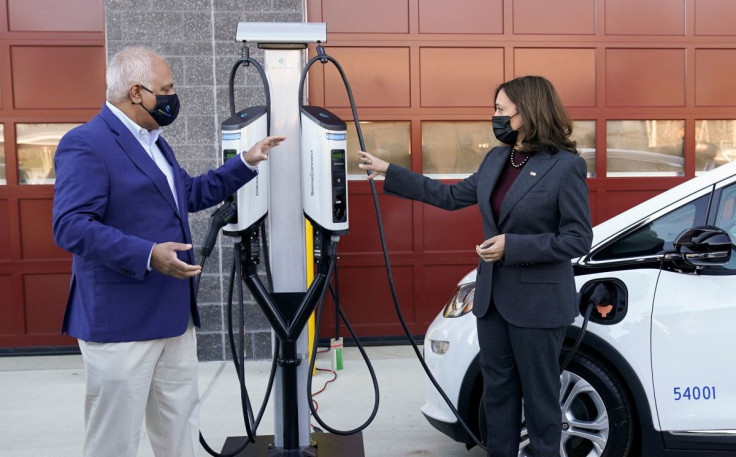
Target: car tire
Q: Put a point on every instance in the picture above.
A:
(597, 412)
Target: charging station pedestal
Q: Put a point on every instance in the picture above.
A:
(288, 308)
(326, 445)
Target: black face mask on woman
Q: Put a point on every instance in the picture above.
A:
(165, 110)
(503, 131)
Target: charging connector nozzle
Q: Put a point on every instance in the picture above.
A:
(219, 218)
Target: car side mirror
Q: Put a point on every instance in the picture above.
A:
(704, 246)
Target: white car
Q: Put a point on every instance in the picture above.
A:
(655, 373)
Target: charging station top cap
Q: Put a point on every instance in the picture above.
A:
(282, 32)
(243, 118)
(324, 118)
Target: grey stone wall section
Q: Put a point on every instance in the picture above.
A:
(197, 37)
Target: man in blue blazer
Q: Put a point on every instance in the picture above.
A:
(120, 207)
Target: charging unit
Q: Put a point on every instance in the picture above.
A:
(239, 133)
(324, 169)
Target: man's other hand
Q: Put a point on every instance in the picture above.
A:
(164, 260)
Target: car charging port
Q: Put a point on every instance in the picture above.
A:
(609, 299)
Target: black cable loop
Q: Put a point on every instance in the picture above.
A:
(251, 424)
(239, 367)
(245, 60)
(249, 432)
(324, 58)
(313, 358)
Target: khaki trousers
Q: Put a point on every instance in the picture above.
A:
(130, 381)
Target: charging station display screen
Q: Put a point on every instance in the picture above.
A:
(339, 189)
(229, 153)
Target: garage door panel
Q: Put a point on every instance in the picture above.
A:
(45, 300)
(55, 15)
(575, 88)
(379, 77)
(359, 16)
(448, 80)
(634, 17)
(468, 16)
(571, 17)
(446, 230)
(645, 77)
(366, 297)
(364, 237)
(4, 231)
(10, 304)
(715, 17)
(38, 243)
(77, 79)
(714, 70)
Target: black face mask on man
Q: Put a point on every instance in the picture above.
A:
(503, 131)
(165, 110)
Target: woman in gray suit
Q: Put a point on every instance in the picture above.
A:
(533, 200)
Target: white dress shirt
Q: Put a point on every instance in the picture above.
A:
(148, 139)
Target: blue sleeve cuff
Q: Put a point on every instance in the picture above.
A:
(250, 167)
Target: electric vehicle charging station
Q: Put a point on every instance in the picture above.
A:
(321, 168)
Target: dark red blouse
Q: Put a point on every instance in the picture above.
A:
(507, 178)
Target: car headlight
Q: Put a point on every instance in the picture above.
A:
(461, 302)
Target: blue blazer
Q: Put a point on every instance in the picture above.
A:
(546, 219)
(111, 204)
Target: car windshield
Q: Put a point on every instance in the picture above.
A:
(656, 236)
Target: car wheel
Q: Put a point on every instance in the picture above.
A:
(597, 415)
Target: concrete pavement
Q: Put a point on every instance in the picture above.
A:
(42, 397)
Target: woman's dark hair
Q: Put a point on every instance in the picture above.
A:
(545, 121)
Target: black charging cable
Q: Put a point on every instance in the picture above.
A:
(324, 58)
(251, 423)
(600, 295)
(318, 320)
(246, 60)
(216, 223)
(222, 216)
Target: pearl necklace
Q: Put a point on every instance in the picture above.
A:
(515, 165)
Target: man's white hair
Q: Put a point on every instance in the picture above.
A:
(130, 66)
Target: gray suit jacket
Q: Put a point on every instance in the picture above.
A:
(546, 219)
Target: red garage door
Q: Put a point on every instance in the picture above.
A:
(52, 66)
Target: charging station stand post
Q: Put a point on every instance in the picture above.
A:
(284, 46)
